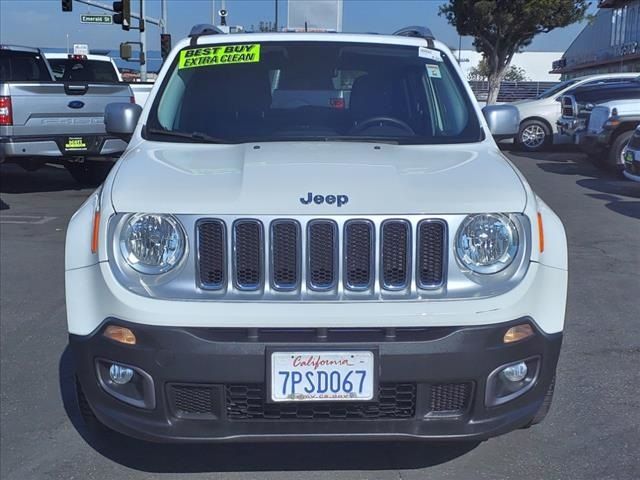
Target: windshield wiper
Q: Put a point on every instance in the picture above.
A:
(196, 137)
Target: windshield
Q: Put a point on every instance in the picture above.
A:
(557, 88)
(279, 91)
(72, 70)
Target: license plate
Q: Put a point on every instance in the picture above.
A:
(322, 376)
(75, 144)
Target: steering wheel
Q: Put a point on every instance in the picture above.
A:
(369, 122)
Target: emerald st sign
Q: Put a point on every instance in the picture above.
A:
(100, 19)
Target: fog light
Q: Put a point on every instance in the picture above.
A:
(515, 373)
(120, 374)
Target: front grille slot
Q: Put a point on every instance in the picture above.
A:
(358, 254)
(450, 398)
(248, 402)
(212, 254)
(396, 252)
(322, 256)
(248, 254)
(431, 254)
(285, 254)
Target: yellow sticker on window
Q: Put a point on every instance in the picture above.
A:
(222, 55)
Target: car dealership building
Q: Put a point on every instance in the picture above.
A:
(610, 43)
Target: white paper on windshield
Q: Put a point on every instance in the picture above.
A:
(427, 53)
(433, 71)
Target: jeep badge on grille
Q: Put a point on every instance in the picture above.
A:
(328, 199)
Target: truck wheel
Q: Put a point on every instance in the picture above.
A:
(534, 136)
(89, 174)
(614, 159)
(545, 407)
(90, 420)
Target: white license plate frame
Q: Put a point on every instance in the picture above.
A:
(315, 361)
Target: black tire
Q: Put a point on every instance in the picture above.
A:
(534, 136)
(89, 174)
(89, 418)
(614, 160)
(545, 407)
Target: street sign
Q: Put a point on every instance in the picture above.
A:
(99, 19)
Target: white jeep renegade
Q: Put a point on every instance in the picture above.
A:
(314, 236)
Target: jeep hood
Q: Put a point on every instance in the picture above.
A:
(271, 178)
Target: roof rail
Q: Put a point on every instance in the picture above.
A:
(202, 29)
(418, 32)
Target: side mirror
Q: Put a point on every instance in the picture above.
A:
(120, 119)
(503, 120)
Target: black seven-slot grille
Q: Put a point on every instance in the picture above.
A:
(313, 251)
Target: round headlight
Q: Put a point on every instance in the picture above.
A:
(151, 243)
(487, 243)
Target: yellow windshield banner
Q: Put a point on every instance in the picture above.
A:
(222, 55)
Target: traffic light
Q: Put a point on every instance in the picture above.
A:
(67, 5)
(126, 52)
(165, 45)
(123, 14)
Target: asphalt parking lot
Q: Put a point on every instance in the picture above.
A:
(592, 432)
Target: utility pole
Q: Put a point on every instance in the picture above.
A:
(213, 12)
(143, 44)
(164, 17)
(275, 23)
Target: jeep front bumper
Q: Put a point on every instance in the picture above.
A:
(210, 383)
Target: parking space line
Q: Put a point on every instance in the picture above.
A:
(26, 219)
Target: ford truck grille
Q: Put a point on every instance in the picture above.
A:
(569, 106)
(320, 256)
(634, 143)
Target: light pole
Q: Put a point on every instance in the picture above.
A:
(143, 44)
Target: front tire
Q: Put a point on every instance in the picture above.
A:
(89, 174)
(614, 159)
(534, 136)
(545, 407)
(94, 426)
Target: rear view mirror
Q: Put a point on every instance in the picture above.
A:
(503, 120)
(120, 119)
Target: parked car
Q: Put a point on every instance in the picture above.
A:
(538, 116)
(42, 120)
(631, 155)
(367, 269)
(611, 126)
(602, 119)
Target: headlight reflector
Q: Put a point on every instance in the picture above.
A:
(152, 243)
(487, 243)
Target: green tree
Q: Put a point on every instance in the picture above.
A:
(500, 28)
(481, 72)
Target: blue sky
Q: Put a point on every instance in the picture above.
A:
(42, 23)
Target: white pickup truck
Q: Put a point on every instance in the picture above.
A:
(370, 267)
(44, 121)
